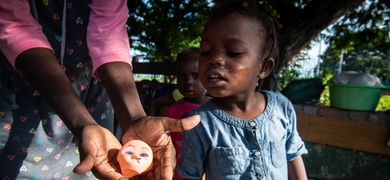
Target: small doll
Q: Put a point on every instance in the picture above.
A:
(134, 158)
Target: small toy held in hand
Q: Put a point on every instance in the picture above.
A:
(134, 158)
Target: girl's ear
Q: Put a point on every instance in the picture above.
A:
(266, 68)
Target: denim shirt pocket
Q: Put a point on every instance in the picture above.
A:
(230, 161)
(277, 155)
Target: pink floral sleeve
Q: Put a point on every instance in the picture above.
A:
(107, 36)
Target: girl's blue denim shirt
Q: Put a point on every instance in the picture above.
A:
(225, 147)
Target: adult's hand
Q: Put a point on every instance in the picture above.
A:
(98, 149)
(155, 132)
(117, 78)
(97, 145)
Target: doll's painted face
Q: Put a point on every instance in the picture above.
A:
(134, 158)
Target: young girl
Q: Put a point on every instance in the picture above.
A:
(243, 133)
(190, 87)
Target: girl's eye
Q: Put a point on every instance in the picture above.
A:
(205, 53)
(143, 155)
(233, 54)
(195, 76)
(129, 153)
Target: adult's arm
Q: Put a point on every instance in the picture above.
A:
(108, 44)
(18, 30)
(27, 49)
(109, 48)
(97, 145)
(117, 78)
(107, 36)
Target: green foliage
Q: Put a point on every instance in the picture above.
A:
(361, 58)
(325, 97)
(160, 29)
(363, 37)
(366, 25)
(289, 73)
(292, 70)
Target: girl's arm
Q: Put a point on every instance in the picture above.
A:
(296, 169)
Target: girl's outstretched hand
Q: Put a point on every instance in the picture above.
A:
(155, 132)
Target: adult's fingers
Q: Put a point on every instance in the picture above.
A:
(85, 164)
(106, 171)
(167, 163)
(103, 170)
(182, 125)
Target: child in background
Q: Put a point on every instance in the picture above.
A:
(243, 133)
(160, 104)
(190, 87)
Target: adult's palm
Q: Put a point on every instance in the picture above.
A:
(98, 149)
(155, 132)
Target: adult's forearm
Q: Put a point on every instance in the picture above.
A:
(117, 78)
(41, 68)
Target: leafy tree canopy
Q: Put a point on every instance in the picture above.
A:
(369, 24)
(362, 37)
(160, 29)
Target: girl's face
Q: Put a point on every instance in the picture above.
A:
(230, 60)
(188, 81)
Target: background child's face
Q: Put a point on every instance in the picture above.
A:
(230, 59)
(187, 78)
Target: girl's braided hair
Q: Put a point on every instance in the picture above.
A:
(255, 10)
